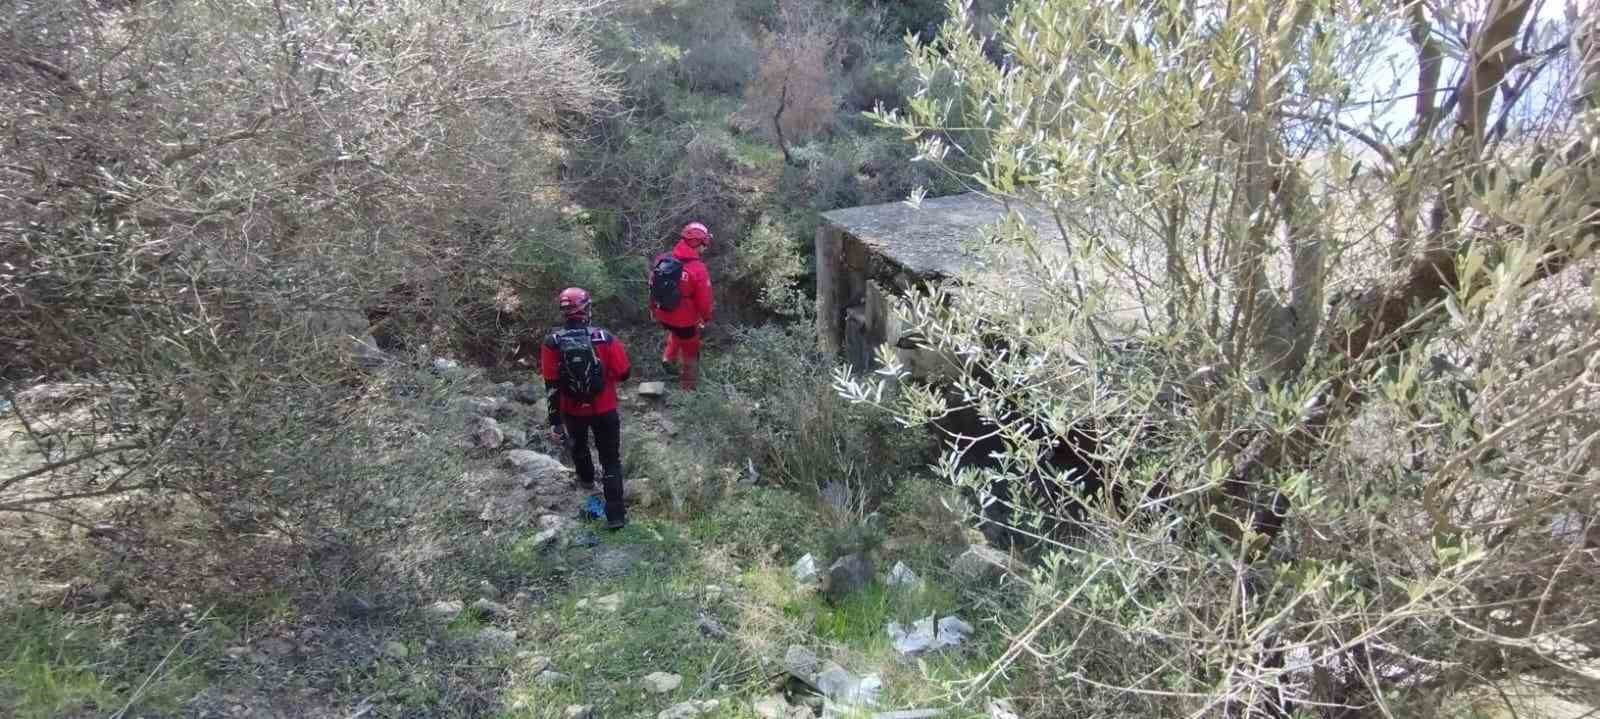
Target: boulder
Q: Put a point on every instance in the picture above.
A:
(846, 576)
(515, 438)
(662, 682)
(486, 433)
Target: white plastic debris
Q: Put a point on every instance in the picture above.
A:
(805, 570)
(926, 635)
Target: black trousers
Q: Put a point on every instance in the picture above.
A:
(607, 429)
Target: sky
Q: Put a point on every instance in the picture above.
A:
(1394, 73)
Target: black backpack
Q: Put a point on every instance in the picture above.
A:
(664, 293)
(580, 375)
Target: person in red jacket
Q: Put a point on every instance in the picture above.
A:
(680, 300)
(581, 365)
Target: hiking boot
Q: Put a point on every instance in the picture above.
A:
(616, 524)
(668, 368)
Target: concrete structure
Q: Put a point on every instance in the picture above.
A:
(867, 256)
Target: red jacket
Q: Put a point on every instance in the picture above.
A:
(695, 287)
(613, 358)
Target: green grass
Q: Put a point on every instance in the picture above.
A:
(760, 517)
(53, 664)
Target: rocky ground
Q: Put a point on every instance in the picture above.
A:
(504, 601)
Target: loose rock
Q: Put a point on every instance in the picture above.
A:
(448, 368)
(554, 521)
(848, 575)
(353, 606)
(609, 603)
(900, 576)
(771, 707)
(492, 609)
(485, 407)
(801, 662)
(689, 710)
(548, 677)
(274, 647)
(537, 468)
(652, 389)
(980, 561)
(515, 437)
(577, 711)
(486, 433)
(534, 664)
(396, 650)
(710, 627)
(497, 639)
(1001, 709)
(445, 611)
(530, 393)
(487, 589)
(662, 682)
(546, 537)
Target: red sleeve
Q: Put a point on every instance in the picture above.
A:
(616, 360)
(547, 362)
(702, 300)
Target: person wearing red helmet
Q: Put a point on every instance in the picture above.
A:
(581, 365)
(680, 300)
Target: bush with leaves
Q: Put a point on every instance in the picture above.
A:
(194, 240)
(1302, 283)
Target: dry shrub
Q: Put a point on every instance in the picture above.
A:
(200, 237)
(793, 96)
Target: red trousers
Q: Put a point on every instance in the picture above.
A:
(684, 351)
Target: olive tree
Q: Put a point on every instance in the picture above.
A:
(199, 198)
(1341, 371)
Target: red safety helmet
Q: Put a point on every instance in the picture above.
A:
(574, 302)
(696, 233)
